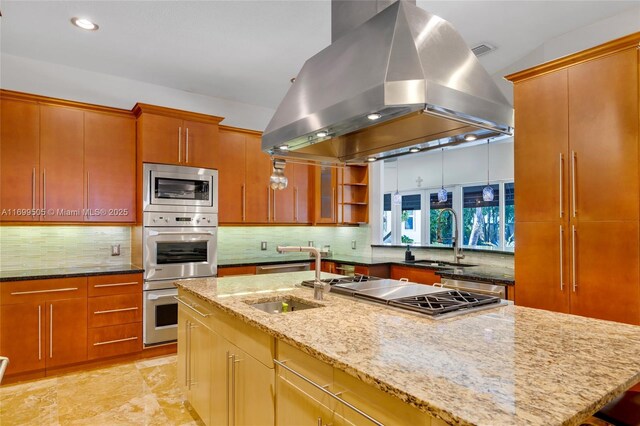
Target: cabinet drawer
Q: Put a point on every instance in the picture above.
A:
(114, 310)
(42, 290)
(115, 340)
(105, 285)
(305, 364)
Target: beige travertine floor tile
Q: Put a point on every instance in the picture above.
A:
(143, 393)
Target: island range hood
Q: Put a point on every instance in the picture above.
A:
(404, 78)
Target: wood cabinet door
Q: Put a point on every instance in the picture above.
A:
(283, 210)
(603, 123)
(257, 171)
(110, 167)
(66, 332)
(297, 407)
(201, 144)
(61, 163)
(220, 379)
(542, 265)
(231, 177)
(22, 336)
(301, 192)
(541, 148)
(606, 283)
(255, 391)
(200, 363)
(19, 159)
(160, 138)
(325, 195)
(414, 275)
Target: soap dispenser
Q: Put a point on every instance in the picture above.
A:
(408, 257)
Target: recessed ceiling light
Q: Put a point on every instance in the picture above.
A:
(283, 147)
(470, 137)
(414, 149)
(371, 159)
(321, 134)
(374, 116)
(84, 23)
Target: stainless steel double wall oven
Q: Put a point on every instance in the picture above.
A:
(180, 220)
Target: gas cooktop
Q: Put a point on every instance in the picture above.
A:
(436, 302)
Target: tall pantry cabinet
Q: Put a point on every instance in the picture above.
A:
(576, 167)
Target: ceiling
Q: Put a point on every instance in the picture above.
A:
(247, 51)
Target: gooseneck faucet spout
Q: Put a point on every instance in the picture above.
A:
(318, 286)
(457, 251)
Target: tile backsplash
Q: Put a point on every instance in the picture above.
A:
(41, 247)
(239, 242)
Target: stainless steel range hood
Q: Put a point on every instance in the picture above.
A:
(406, 65)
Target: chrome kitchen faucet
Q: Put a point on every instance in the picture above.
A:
(318, 286)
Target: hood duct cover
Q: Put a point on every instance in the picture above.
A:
(409, 66)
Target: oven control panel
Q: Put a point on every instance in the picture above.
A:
(183, 220)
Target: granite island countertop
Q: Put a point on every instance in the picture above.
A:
(505, 366)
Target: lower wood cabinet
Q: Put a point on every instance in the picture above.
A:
(415, 275)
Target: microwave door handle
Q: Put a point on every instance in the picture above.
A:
(162, 296)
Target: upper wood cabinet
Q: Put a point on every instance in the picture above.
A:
(576, 167)
(170, 136)
(354, 194)
(19, 160)
(231, 177)
(64, 161)
(326, 194)
(258, 201)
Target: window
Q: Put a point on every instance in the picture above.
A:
(435, 208)
(387, 224)
(411, 219)
(480, 219)
(509, 217)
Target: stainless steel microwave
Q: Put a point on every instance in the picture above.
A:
(179, 188)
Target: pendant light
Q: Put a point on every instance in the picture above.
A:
(442, 193)
(487, 191)
(397, 198)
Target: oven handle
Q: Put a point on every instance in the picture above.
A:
(162, 296)
(156, 233)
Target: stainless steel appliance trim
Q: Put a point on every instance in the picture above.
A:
(154, 233)
(115, 284)
(573, 257)
(470, 122)
(108, 342)
(39, 332)
(561, 260)
(281, 364)
(57, 290)
(110, 311)
(191, 307)
(573, 182)
(152, 299)
(561, 181)
(475, 287)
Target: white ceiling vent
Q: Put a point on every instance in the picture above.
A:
(483, 49)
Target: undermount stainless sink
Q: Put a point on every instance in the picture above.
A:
(441, 264)
(283, 305)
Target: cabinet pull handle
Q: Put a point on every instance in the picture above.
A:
(186, 144)
(44, 190)
(268, 204)
(57, 290)
(329, 393)
(288, 265)
(561, 181)
(108, 342)
(51, 330)
(244, 204)
(187, 355)
(87, 203)
(274, 205)
(191, 307)
(179, 144)
(188, 360)
(561, 260)
(295, 203)
(33, 189)
(115, 284)
(39, 332)
(573, 182)
(319, 421)
(573, 257)
(110, 311)
(234, 361)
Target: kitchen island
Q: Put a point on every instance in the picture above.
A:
(504, 366)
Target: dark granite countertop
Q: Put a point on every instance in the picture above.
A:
(481, 273)
(35, 274)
